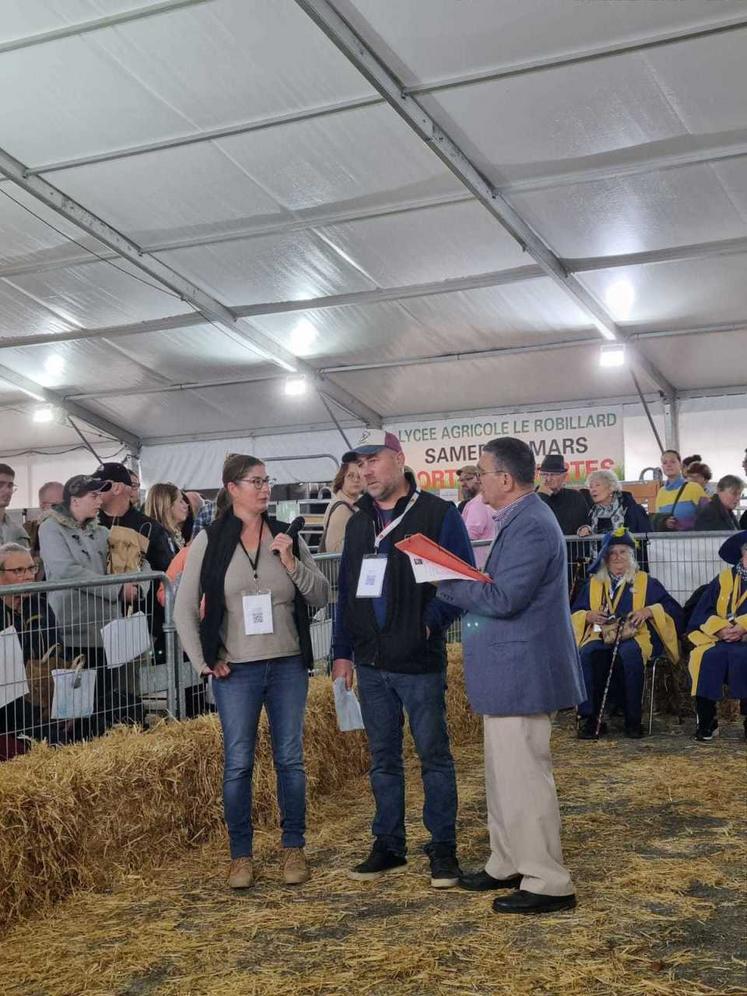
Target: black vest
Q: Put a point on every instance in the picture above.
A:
(401, 645)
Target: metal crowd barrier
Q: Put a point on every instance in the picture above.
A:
(79, 657)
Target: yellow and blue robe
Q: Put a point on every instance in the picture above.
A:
(713, 662)
(659, 635)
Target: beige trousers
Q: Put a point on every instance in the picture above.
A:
(523, 813)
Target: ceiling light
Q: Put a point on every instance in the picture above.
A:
(54, 365)
(45, 414)
(303, 337)
(620, 298)
(612, 356)
(295, 386)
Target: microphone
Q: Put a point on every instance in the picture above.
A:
(293, 529)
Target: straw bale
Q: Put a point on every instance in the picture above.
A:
(82, 816)
(653, 830)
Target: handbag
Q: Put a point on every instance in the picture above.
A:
(13, 683)
(125, 639)
(74, 690)
(41, 682)
(628, 630)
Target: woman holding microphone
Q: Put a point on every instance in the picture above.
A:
(253, 638)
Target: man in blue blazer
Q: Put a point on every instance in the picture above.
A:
(521, 664)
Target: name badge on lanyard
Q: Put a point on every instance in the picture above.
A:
(373, 567)
(371, 578)
(257, 613)
(257, 605)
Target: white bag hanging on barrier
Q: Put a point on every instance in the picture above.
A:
(347, 707)
(13, 683)
(125, 639)
(74, 690)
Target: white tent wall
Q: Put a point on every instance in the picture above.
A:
(714, 427)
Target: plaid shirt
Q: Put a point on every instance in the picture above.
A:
(204, 518)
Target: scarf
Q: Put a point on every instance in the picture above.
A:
(223, 538)
(614, 511)
(742, 572)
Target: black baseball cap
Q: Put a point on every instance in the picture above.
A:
(117, 473)
(81, 485)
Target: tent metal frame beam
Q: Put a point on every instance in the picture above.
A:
(411, 361)
(434, 87)
(97, 24)
(539, 407)
(393, 294)
(42, 394)
(380, 76)
(215, 312)
(664, 38)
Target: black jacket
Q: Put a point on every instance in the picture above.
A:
(570, 508)
(401, 645)
(715, 516)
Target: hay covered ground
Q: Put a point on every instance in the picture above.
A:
(654, 830)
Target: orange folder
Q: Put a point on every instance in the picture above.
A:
(419, 545)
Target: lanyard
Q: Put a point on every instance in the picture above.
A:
(612, 603)
(395, 522)
(255, 562)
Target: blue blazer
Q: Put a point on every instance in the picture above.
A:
(520, 655)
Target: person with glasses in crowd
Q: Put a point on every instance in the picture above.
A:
(34, 624)
(10, 531)
(469, 482)
(477, 517)
(253, 639)
(347, 488)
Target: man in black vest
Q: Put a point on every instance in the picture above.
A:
(569, 506)
(394, 630)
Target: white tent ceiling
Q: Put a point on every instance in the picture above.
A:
(197, 196)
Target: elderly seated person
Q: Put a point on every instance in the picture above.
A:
(719, 513)
(612, 508)
(718, 631)
(32, 620)
(620, 594)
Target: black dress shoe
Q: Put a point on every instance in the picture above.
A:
(588, 729)
(531, 902)
(634, 732)
(482, 882)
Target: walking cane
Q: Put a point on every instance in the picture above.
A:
(615, 648)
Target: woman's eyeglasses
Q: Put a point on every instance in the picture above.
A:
(258, 483)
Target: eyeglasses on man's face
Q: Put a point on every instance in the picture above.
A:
(258, 483)
(8, 486)
(18, 572)
(487, 473)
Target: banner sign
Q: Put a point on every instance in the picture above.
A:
(588, 438)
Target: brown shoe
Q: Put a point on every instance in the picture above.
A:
(241, 874)
(295, 868)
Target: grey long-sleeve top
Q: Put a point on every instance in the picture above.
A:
(236, 646)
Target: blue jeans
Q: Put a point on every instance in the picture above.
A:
(384, 697)
(281, 686)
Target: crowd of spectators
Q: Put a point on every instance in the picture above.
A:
(96, 525)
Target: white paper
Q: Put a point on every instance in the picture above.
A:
(257, 614)
(371, 578)
(69, 702)
(347, 707)
(13, 683)
(125, 639)
(425, 571)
